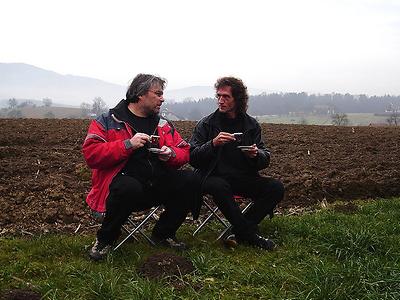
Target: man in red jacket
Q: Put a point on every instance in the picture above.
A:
(128, 174)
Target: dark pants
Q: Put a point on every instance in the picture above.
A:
(127, 195)
(265, 193)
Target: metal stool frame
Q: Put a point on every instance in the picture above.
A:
(131, 226)
(214, 213)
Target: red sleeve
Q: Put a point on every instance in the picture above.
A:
(99, 151)
(181, 149)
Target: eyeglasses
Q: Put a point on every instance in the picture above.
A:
(158, 93)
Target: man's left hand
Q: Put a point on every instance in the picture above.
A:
(251, 153)
(165, 153)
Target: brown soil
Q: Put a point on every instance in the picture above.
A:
(165, 265)
(20, 294)
(44, 178)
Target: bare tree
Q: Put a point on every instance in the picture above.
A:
(47, 102)
(85, 109)
(99, 106)
(340, 119)
(394, 118)
(12, 103)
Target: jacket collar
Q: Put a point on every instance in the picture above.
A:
(214, 120)
(120, 112)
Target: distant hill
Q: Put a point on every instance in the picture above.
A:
(5, 103)
(23, 81)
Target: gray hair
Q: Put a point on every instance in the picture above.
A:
(141, 84)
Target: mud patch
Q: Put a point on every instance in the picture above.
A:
(20, 294)
(162, 265)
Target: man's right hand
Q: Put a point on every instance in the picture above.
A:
(139, 140)
(223, 138)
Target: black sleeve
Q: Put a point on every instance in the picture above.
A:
(263, 158)
(202, 152)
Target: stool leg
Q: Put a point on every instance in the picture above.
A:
(138, 227)
(230, 226)
(128, 231)
(213, 213)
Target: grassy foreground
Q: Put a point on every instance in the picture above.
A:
(322, 255)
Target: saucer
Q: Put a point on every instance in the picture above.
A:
(245, 148)
(154, 150)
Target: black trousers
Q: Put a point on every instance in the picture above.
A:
(127, 194)
(265, 193)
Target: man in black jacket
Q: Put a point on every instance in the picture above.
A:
(227, 150)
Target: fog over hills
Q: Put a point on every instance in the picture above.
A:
(189, 93)
(23, 81)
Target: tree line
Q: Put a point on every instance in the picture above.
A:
(291, 103)
(334, 105)
(86, 110)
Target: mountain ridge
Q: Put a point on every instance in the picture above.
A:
(25, 81)
(20, 80)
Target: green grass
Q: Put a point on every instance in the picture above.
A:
(355, 119)
(321, 255)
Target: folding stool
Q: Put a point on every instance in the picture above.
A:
(133, 226)
(214, 212)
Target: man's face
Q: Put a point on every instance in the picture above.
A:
(151, 101)
(226, 102)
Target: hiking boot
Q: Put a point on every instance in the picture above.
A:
(230, 241)
(258, 241)
(99, 250)
(169, 242)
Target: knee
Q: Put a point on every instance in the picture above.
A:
(274, 190)
(217, 187)
(125, 186)
(278, 190)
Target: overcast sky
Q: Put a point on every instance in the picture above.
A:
(284, 46)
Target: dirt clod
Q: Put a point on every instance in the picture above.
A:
(20, 294)
(165, 264)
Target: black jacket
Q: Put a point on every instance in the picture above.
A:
(204, 156)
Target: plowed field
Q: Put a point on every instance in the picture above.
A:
(44, 179)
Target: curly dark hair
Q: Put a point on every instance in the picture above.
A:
(239, 91)
(141, 84)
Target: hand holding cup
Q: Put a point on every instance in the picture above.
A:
(165, 153)
(249, 151)
(139, 140)
(223, 138)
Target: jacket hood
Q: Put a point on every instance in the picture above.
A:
(120, 111)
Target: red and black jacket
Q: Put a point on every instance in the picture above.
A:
(106, 150)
